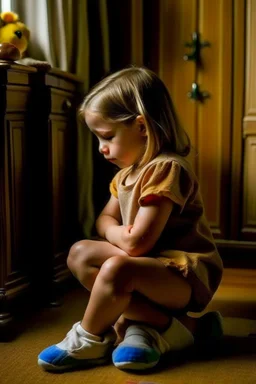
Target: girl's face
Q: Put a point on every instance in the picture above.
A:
(121, 144)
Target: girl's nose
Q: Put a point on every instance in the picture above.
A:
(103, 149)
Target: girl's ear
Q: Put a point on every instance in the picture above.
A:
(140, 121)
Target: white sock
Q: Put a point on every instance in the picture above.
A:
(88, 335)
(175, 338)
(81, 344)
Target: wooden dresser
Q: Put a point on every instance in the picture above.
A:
(38, 221)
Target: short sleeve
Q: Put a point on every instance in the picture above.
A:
(167, 179)
(113, 187)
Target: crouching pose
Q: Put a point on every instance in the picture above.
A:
(156, 259)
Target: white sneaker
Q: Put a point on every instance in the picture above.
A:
(78, 349)
(143, 346)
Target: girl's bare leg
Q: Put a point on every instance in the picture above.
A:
(116, 283)
(119, 277)
(142, 289)
(85, 260)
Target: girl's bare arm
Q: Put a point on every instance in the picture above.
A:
(139, 238)
(110, 216)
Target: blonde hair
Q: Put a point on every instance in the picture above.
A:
(134, 91)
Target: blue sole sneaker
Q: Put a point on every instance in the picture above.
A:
(135, 358)
(55, 359)
(79, 349)
(143, 346)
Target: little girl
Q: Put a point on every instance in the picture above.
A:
(156, 258)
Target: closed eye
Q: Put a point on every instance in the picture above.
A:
(108, 138)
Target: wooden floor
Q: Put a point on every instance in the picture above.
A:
(231, 362)
(236, 296)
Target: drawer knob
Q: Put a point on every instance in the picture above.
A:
(67, 105)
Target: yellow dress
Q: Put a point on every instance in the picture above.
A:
(186, 242)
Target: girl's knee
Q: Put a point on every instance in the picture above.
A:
(77, 254)
(116, 270)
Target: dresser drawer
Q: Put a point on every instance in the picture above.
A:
(16, 98)
(61, 101)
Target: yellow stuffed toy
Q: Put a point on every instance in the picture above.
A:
(13, 31)
(16, 33)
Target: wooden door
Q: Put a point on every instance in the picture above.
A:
(248, 227)
(178, 19)
(208, 122)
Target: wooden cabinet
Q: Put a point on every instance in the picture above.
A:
(53, 124)
(15, 93)
(38, 222)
